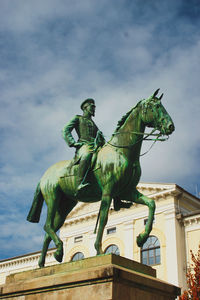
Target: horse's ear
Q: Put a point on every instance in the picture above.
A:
(160, 96)
(155, 93)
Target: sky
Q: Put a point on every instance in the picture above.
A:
(56, 53)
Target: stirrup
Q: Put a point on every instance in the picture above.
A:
(81, 188)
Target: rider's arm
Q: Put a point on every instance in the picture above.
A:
(99, 140)
(66, 132)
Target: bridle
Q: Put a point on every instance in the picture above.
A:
(145, 136)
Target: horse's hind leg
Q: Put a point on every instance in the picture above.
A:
(57, 208)
(46, 243)
(49, 228)
(60, 215)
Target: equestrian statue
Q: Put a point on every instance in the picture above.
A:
(100, 171)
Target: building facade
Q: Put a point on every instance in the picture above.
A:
(176, 231)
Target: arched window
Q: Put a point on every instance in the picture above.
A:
(150, 252)
(77, 256)
(112, 249)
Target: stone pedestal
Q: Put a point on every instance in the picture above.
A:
(106, 277)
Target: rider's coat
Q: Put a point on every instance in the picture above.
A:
(85, 128)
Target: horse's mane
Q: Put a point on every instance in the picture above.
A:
(124, 118)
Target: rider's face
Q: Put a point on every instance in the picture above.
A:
(90, 109)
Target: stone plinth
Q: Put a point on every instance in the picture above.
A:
(106, 277)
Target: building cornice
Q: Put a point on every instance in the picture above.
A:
(191, 220)
(24, 260)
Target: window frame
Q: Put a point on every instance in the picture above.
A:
(78, 239)
(112, 245)
(77, 253)
(151, 249)
(111, 230)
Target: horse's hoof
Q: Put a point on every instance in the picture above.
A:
(99, 252)
(139, 241)
(58, 256)
(41, 264)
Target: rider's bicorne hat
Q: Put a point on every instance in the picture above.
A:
(89, 100)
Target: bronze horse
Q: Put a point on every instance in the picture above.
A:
(114, 175)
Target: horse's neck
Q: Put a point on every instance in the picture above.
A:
(130, 134)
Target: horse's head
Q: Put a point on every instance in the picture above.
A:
(154, 115)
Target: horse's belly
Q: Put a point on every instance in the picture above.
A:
(91, 193)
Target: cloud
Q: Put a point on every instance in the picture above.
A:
(18, 239)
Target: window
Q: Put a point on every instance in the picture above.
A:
(77, 256)
(78, 239)
(111, 230)
(112, 249)
(150, 252)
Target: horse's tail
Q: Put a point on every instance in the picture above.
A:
(36, 208)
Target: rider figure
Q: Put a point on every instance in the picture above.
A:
(89, 139)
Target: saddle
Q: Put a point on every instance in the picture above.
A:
(72, 168)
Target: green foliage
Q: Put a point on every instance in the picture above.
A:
(193, 279)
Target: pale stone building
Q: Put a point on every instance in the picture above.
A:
(176, 231)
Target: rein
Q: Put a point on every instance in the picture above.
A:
(146, 138)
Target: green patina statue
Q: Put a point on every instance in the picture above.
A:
(90, 139)
(112, 170)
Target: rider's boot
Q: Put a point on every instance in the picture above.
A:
(82, 174)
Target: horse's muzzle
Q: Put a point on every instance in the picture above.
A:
(170, 128)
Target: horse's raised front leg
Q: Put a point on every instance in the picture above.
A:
(105, 205)
(142, 199)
